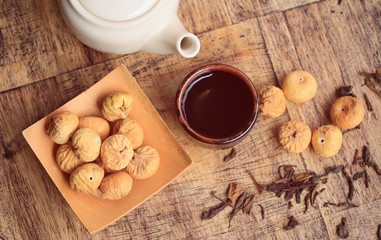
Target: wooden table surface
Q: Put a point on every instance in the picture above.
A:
(43, 66)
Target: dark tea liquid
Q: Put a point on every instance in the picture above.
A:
(218, 105)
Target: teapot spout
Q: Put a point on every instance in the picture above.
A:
(172, 38)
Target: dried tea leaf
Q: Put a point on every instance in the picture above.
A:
(341, 204)
(292, 222)
(351, 187)
(306, 202)
(256, 184)
(334, 169)
(315, 195)
(373, 82)
(298, 195)
(213, 211)
(356, 157)
(367, 178)
(366, 155)
(342, 229)
(237, 206)
(234, 191)
(262, 211)
(345, 91)
(377, 74)
(231, 155)
(376, 168)
(369, 106)
(358, 175)
(248, 204)
(289, 205)
(286, 171)
(288, 195)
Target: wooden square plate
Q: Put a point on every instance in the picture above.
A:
(95, 213)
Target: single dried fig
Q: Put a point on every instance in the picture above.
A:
(62, 126)
(66, 158)
(100, 125)
(116, 186)
(327, 140)
(86, 144)
(347, 112)
(144, 164)
(299, 86)
(294, 136)
(116, 106)
(273, 102)
(131, 129)
(87, 178)
(116, 152)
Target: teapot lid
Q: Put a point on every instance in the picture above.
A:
(118, 10)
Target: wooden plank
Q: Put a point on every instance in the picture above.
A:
(246, 9)
(332, 41)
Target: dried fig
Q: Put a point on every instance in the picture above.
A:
(144, 164)
(66, 158)
(327, 140)
(100, 125)
(116, 106)
(299, 86)
(62, 126)
(273, 102)
(116, 185)
(86, 144)
(116, 152)
(347, 112)
(294, 136)
(87, 178)
(131, 129)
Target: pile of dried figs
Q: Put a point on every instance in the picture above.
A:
(103, 154)
(346, 113)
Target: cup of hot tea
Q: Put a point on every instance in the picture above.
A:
(217, 104)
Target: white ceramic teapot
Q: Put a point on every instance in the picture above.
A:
(127, 26)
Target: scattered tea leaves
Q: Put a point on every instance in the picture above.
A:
(345, 91)
(292, 222)
(342, 229)
(231, 155)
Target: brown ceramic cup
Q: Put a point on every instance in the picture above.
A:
(217, 104)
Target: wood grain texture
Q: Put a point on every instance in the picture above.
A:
(44, 66)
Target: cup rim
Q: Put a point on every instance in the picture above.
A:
(190, 78)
